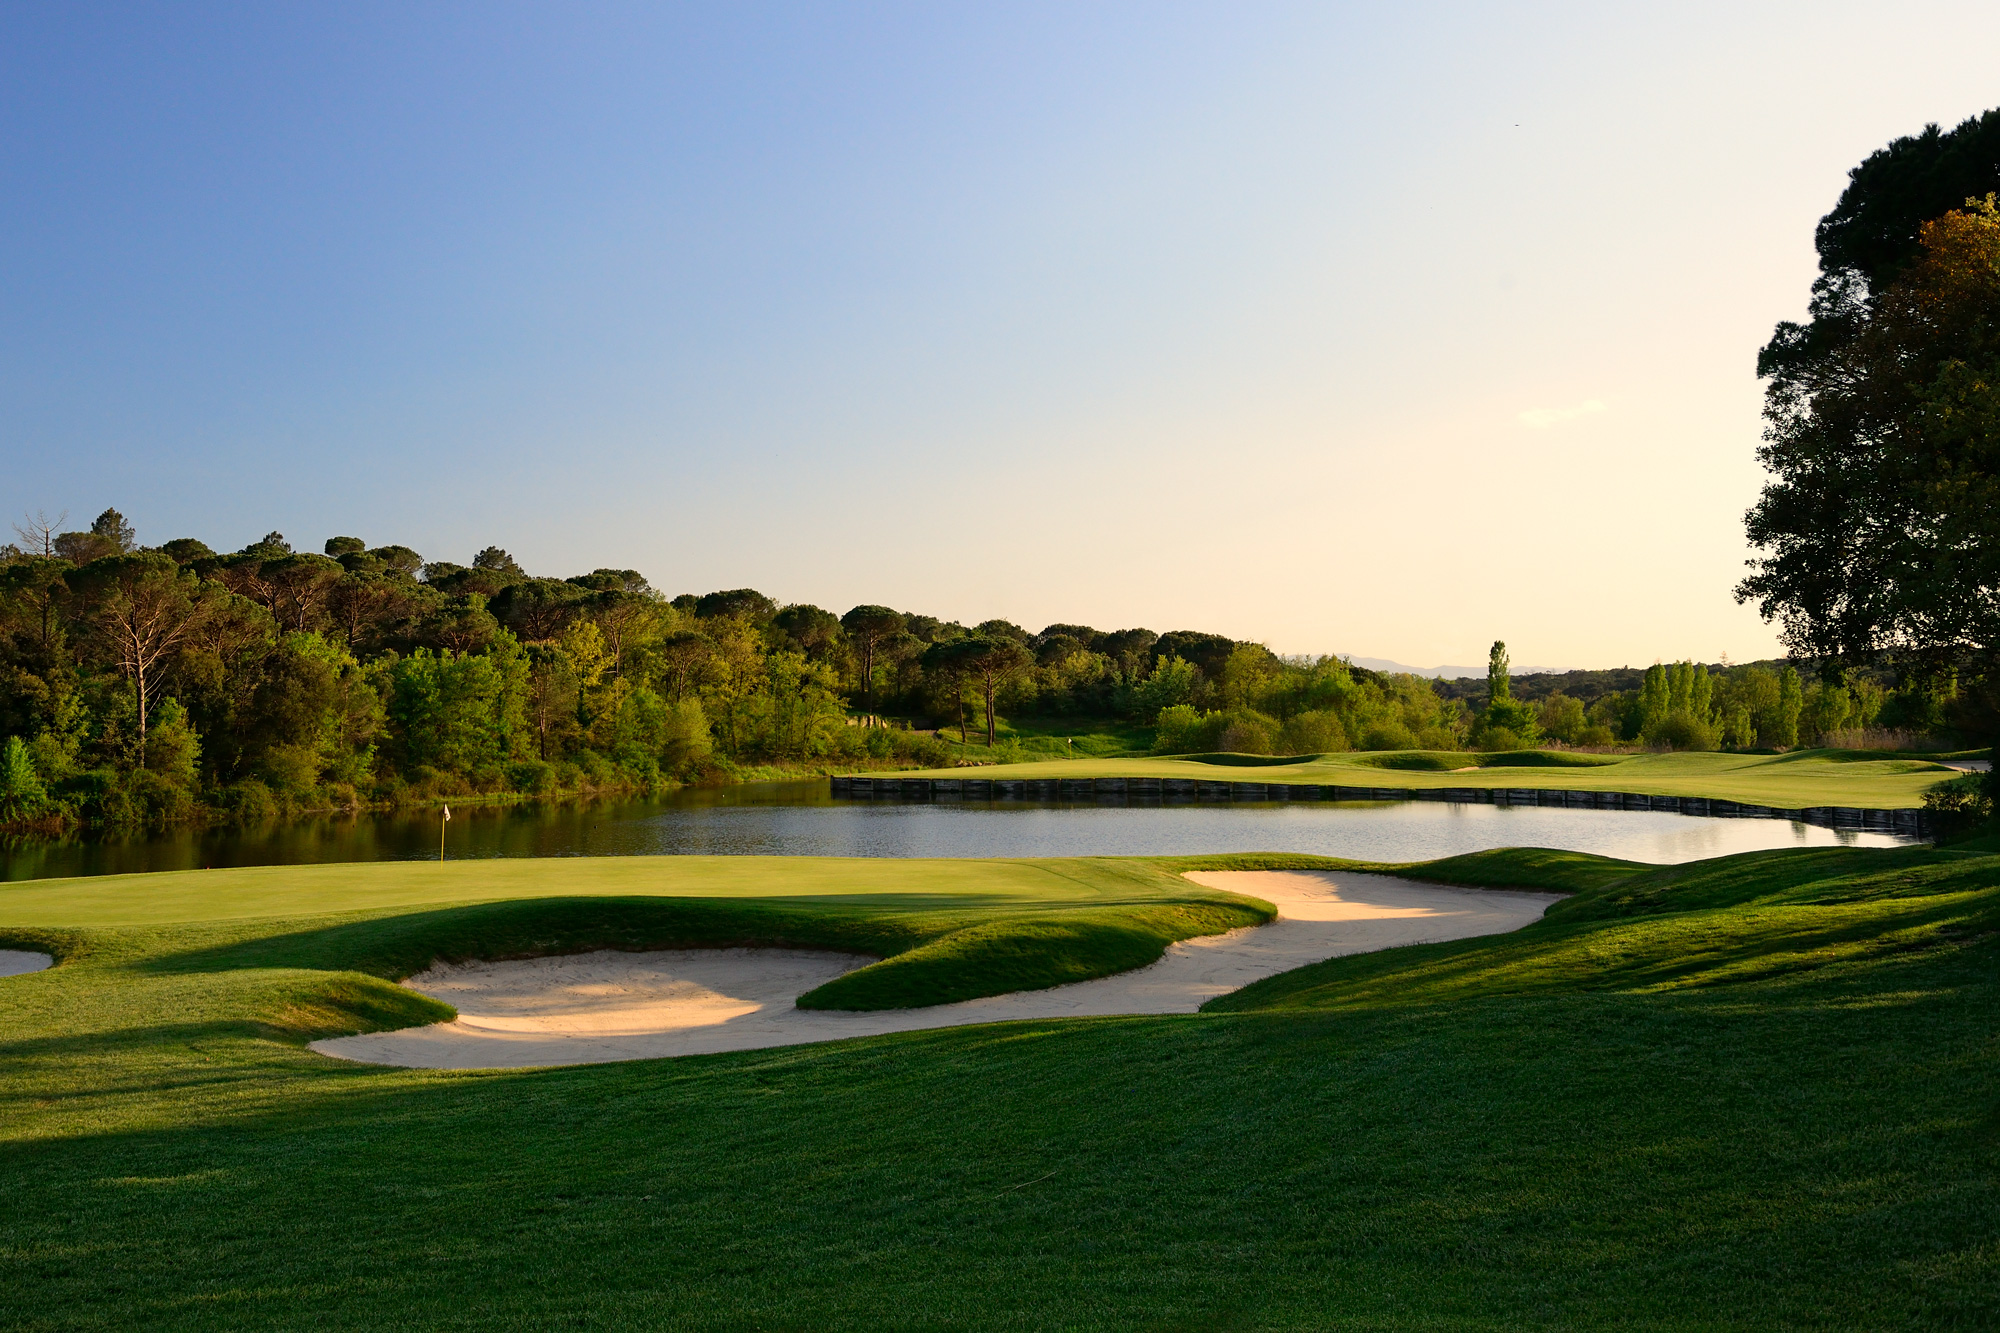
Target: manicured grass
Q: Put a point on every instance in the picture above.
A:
(1751, 1093)
(947, 930)
(1788, 781)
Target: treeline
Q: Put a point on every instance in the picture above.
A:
(148, 685)
(1690, 705)
(151, 684)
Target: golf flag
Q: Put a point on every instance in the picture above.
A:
(447, 814)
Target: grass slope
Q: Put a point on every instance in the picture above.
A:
(1752, 1093)
(1789, 781)
(946, 930)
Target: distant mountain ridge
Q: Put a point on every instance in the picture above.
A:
(1447, 672)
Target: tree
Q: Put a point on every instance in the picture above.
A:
(868, 627)
(681, 657)
(495, 559)
(109, 535)
(538, 609)
(38, 532)
(949, 663)
(22, 795)
(1172, 684)
(144, 606)
(809, 629)
(738, 603)
(991, 661)
(1497, 685)
(36, 583)
(1883, 419)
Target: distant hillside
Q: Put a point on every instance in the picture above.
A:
(1438, 672)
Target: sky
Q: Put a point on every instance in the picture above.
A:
(1381, 330)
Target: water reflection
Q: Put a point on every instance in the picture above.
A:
(800, 819)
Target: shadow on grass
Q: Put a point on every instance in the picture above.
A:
(398, 945)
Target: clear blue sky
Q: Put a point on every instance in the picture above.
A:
(1381, 329)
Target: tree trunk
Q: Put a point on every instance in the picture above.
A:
(140, 677)
(989, 710)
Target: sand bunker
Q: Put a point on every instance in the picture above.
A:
(15, 962)
(588, 1008)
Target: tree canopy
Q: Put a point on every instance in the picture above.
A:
(1878, 527)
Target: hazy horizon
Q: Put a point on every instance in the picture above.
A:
(1393, 332)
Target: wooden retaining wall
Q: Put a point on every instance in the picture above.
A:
(1115, 791)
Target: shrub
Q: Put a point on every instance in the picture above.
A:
(532, 776)
(249, 801)
(1681, 730)
(155, 799)
(1388, 735)
(1312, 733)
(1184, 729)
(291, 768)
(1247, 732)
(919, 748)
(22, 795)
(1960, 806)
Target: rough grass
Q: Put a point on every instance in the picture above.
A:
(1744, 1094)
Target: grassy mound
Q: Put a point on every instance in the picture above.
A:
(1759, 916)
(1750, 1093)
(1231, 759)
(1547, 759)
(1020, 954)
(1416, 761)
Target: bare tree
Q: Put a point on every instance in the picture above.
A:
(143, 607)
(37, 532)
(40, 585)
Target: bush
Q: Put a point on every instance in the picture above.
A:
(1960, 807)
(155, 799)
(291, 768)
(1388, 736)
(532, 776)
(1184, 729)
(1681, 730)
(22, 795)
(249, 801)
(919, 748)
(1312, 733)
(1247, 732)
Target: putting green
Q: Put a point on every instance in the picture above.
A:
(942, 885)
(1787, 781)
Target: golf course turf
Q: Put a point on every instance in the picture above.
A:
(1756, 1092)
(1803, 778)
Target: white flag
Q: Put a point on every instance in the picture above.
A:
(447, 814)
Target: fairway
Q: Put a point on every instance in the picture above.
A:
(1788, 781)
(1746, 1093)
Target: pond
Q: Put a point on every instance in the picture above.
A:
(803, 819)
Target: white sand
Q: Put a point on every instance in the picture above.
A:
(588, 1008)
(15, 962)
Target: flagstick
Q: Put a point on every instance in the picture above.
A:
(441, 823)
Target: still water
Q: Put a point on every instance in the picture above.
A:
(802, 819)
